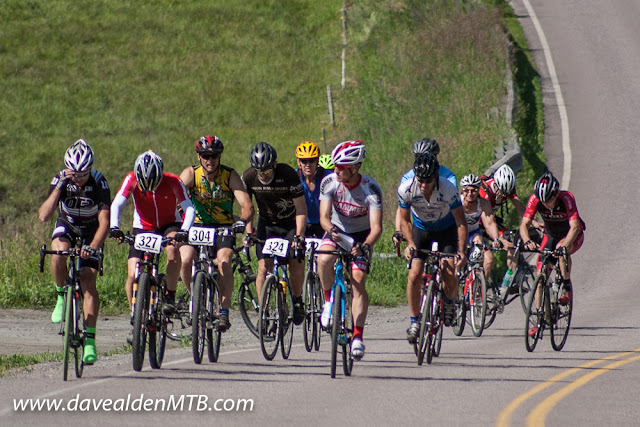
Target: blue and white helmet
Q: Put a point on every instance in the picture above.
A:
(148, 170)
(79, 157)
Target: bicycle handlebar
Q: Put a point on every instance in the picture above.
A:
(414, 253)
(73, 252)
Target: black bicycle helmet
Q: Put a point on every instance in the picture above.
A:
(426, 166)
(262, 156)
(546, 187)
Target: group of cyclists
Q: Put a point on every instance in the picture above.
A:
(325, 197)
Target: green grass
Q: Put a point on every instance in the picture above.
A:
(128, 76)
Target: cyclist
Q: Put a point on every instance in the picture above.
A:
(422, 146)
(350, 203)
(155, 196)
(82, 197)
(213, 187)
(563, 226)
(478, 209)
(311, 175)
(282, 212)
(431, 211)
(325, 162)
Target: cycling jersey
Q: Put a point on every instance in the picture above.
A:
(153, 209)
(556, 220)
(434, 214)
(312, 198)
(351, 205)
(79, 206)
(488, 191)
(473, 219)
(275, 200)
(213, 203)
(443, 172)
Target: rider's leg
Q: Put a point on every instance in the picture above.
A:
(59, 272)
(187, 255)
(91, 308)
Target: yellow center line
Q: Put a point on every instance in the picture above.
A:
(538, 415)
(504, 418)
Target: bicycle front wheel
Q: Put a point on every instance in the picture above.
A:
(286, 319)
(561, 319)
(248, 304)
(525, 281)
(478, 303)
(318, 301)
(214, 335)
(269, 322)
(335, 328)
(78, 336)
(427, 322)
(347, 359)
(67, 331)
(309, 328)
(198, 317)
(437, 339)
(461, 313)
(158, 331)
(141, 313)
(534, 317)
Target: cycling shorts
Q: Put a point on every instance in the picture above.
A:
(264, 231)
(549, 242)
(64, 231)
(358, 237)
(163, 231)
(447, 239)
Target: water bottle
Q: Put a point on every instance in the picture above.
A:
(506, 280)
(284, 286)
(554, 292)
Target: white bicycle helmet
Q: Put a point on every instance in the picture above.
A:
(546, 187)
(470, 181)
(148, 170)
(348, 153)
(79, 157)
(426, 145)
(505, 179)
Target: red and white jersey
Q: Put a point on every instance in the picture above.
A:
(556, 220)
(153, 209)
(488, 191)
(351, 205)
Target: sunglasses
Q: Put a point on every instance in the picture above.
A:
(81, 175)
(210, 156)
(426, 180)
(307, 161)
(265, 172)
(469, 190)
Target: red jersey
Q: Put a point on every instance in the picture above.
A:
(155, 209)
(488, 191)
(556, 220)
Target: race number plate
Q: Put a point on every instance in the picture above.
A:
(312, 242)
(346, 242)
(148, 242)
(276, 247)
(202, 236)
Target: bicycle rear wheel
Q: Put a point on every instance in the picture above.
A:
(534, 317)
(525, 282)
(248, 304)
(335, 328)
(347, 359)
(478, 303)
(461, 313)
(309, 329)
(158, 330)
(198, 317)
(141, 313)
(437, 338)
(67, 330)
(269, 322)
(214, 335)
(561, 320)
(318, 301)
(425, 336)
(493, 304)
(286, 320)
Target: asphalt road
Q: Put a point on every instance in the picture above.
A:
(595, 47)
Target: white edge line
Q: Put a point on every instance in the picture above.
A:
(566, 146)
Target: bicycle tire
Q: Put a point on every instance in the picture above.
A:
(559, 330)
(425, 336)
(214, 335)
(525, 282)
(269, 323)
(423, 301)
(67, 330)
(286, 320)
(534, 317)
(79, 334)
(198, 317)
(317, 312)
(248, 304)
(437, 339)
(335, 328)
(347, 359)
(158, 337)
(492, 311)
(478, 303)
(461, 312)
(308, 327)
(141, 311)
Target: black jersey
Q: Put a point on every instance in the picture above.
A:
(80, 206)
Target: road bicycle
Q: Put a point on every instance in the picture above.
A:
(148, 319)
(429, 340)
(313, 298)
(521, 284)
(205, 293)
(471, 306)
(550, 313)
(72, 326)
(275, 324)
(248, 303)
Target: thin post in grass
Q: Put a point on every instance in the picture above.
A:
(344, 43)
(333, 124)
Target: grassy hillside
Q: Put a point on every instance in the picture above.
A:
(128, 76)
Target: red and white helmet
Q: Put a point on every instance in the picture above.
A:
(348, 153)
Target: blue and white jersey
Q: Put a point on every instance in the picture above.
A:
(444, 173)
(434, 214)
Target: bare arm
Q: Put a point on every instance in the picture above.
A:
(244, 200)
(49, 206)
(375, 224)
(187, 177)
(103, 229)
(325, 215)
